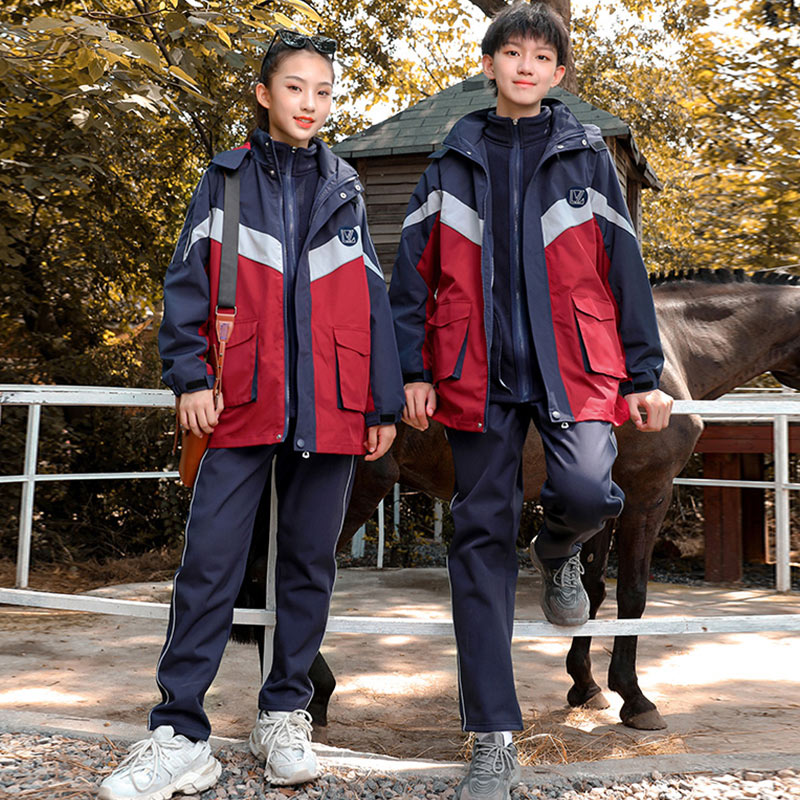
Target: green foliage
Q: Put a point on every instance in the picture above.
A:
(715, 110)
(746, 100)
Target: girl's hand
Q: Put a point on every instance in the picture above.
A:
(197, 412)
(379, 440)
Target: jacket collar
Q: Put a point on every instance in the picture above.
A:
(331, 167)
(565, 131)
(525, 131)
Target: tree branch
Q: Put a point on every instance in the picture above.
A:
(489, 7)
(141, 5)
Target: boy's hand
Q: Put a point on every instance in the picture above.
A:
(197, 412)
(420, 404)
(379, 440)
(656, 403)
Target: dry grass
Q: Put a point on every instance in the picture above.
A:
(565, 736)
(156, 565)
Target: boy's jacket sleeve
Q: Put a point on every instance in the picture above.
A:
(386, 382)
(416, 275)
(183, 336)
(627, 277)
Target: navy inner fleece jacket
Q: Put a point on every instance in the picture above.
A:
(297, 170)
(513, 149)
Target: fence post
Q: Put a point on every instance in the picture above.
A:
(28, 490)
(396, 510)
(357, 542)
(381, 534)
(783, 570)
(272, 558)
(437, 520)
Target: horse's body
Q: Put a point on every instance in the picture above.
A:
(719, 330)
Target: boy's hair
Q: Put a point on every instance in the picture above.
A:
(278, 53)
(529, 20)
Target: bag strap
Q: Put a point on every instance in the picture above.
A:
(229, 258)
(225, 312)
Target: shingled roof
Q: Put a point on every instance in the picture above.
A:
(423, 127)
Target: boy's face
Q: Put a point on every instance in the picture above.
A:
(525, 69)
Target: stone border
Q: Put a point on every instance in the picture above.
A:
(626, 770)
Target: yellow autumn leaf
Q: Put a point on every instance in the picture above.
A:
(220, 32)
(285, 22)
(179, 73)
(306, 9)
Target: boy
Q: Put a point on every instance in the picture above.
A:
(518, 295)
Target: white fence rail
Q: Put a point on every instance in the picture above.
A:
(739, 407)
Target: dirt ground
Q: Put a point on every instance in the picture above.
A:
(733, 693)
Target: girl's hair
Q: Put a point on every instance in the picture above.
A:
(278, 53)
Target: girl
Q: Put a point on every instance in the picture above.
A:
(311, 379)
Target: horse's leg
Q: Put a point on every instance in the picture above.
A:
(594, 555)
(373, 481)
(636, 533)
(324, 683)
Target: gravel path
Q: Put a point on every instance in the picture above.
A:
(40, 767)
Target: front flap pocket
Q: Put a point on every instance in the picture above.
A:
(239, 384)
(352, 366)
(449, 325)
(597, 329)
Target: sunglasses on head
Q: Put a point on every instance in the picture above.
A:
(297, 40)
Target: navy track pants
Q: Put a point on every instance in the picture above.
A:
(578, 498)
(313, 493)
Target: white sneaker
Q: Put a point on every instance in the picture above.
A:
(283, 740)
(158, 767)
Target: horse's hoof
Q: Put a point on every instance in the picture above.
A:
(319, 733)
(587, 698)
(646, 721)
(597, 702)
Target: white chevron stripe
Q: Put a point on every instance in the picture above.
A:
(328, 257)
(199, 232)
(370, 264)
(601, 207)
(561, 216)
(255, 245)
(455, 214)
(461, 218)
(432, 205)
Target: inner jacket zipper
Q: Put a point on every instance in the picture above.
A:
(522, 365)
(289, 278)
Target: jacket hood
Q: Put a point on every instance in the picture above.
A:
(468, 131)
(330, 165)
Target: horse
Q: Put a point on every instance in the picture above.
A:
(719, 329)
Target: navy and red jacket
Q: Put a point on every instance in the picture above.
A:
(345, 374)
(589, 301)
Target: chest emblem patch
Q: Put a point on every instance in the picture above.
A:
(577, 196)
(348, 236)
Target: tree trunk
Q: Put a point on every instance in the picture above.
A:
(491, 7)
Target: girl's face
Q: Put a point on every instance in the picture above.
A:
(298, 97)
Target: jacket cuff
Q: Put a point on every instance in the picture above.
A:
(414, 377)
(194, 385)
(376, 418)
(641, 383)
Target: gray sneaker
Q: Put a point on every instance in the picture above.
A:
(492, 771)
(564, 600)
